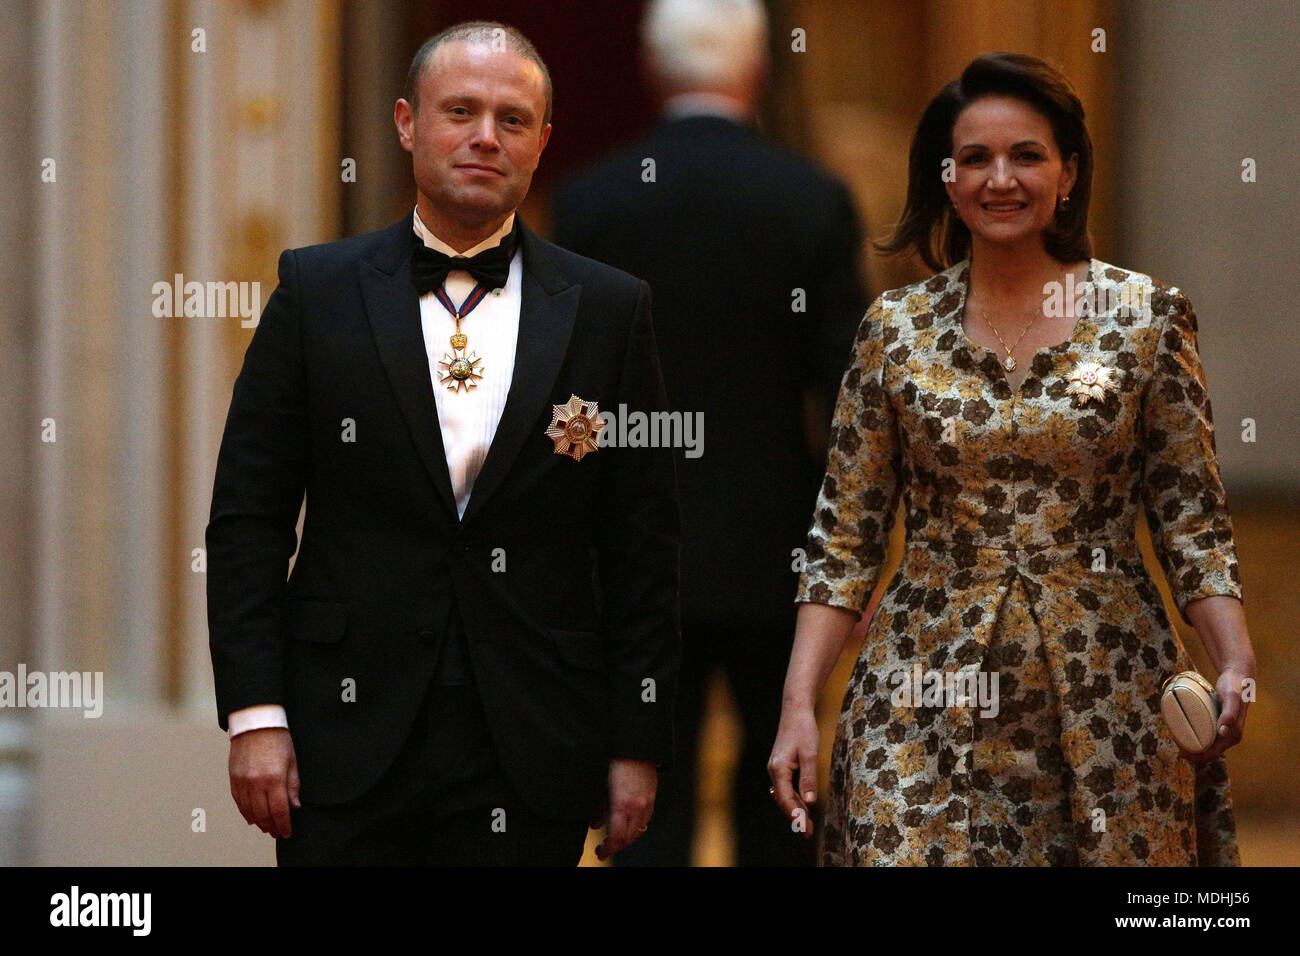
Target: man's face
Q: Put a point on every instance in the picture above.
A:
(479, 135)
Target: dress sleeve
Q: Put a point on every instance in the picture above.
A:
(855, 507)
(1186, 507)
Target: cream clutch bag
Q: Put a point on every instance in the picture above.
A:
(1190, 708)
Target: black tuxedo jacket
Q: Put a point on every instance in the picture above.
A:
(574, 642)
(730, 227)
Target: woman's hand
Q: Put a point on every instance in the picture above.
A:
(793, 765)
(1220, 623)
(820, 631)
(1232, 716)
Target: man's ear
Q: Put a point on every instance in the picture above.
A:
(403, 119)
(546, 137)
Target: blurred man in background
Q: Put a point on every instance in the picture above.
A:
(752, 257)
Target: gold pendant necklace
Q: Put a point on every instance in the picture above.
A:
(1008, 363)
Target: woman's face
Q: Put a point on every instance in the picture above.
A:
(1008, 173)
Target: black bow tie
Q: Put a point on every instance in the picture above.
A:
(490, 268)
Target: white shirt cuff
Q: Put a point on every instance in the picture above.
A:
(256, 718)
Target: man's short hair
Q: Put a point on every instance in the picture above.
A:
(498, 35)
(698, 44)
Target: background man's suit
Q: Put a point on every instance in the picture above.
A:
(387, 578)
(728, 230)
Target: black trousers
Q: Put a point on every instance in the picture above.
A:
(754, 661)
(444, 802)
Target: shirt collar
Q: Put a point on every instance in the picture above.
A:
(436, 244)
(705, 104)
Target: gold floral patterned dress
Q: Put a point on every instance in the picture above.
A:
(1021, 571)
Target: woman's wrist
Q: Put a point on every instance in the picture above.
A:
(1241, 666)
(797, 700)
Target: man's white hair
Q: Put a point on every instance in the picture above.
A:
(705, 44)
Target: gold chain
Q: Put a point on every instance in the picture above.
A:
(1010, 363)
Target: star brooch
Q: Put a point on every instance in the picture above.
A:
(1091, 380)
(575, 427)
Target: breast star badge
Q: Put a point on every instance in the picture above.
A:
(1091, 380)
(575, 427)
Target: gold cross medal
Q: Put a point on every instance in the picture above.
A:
(1091, 381)
(462, 371)
(575, 427)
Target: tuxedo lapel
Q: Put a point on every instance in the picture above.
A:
(548, 305)
(393, 310)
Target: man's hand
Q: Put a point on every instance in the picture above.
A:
(632, 786)
(264, 778)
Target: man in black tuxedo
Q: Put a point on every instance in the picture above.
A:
(752, 253)
(478, 644)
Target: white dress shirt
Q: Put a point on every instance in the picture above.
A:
(468, 419)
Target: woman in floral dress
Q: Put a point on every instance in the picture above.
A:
(1026, 401)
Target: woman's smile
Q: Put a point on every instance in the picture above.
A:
(1003, 208)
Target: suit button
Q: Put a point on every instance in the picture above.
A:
(427, 637)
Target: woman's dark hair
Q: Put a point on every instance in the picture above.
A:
(929, 224)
